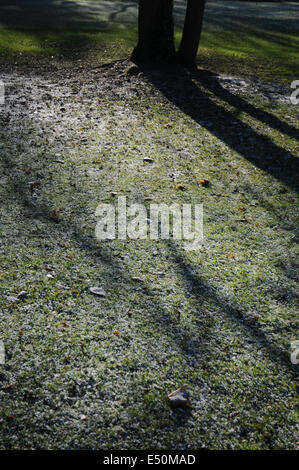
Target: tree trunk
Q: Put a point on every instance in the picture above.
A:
(191, 33)
(155, 32)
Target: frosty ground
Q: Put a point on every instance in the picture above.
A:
(83, 371)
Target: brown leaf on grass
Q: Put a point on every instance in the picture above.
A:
(180, 187)
(179, 398)
(63, 245)
(34, 184)
(54, 215)
(27, 171)
(49, 267)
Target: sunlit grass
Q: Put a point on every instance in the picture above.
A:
(249, 46)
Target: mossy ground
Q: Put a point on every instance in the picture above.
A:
(218, 321)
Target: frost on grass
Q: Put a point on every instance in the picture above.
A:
(84, 371)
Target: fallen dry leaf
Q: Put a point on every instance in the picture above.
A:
(49, 267)
(98, 291)
(179, 398)
(137, 279)
(54, 215)
(63, 245)
(33, 184)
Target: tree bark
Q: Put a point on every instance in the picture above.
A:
(155, 32)
(191, 33)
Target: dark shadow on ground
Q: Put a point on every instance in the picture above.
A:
(201, 289)
(190, 92)
(211, 83)
(121, 279)
(70, 28)
(37, 15)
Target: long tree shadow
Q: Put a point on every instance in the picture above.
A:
(183, 339)
(169, 87)
(210, 82)
(194, 285)
(72, 29)
(36, 15)
(192, 94)
(120, 278)
(199, 288)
